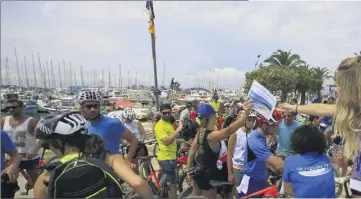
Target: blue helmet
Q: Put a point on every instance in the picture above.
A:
(205, 110)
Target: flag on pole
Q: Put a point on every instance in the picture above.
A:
(151, 27)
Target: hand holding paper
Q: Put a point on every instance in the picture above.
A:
(263, 100)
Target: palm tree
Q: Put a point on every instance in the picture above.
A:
(305, 81)
(319, 75)
(284, 59)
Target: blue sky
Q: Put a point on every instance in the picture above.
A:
(194, 39)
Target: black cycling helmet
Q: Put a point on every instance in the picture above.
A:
(65, 124)
(189, 104)
(165, 106)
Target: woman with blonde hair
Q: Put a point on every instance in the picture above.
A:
(346, 113)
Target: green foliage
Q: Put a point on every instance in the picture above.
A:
(286, 72)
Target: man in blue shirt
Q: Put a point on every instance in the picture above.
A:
(285, 131)
(257, 156)
(110, 129)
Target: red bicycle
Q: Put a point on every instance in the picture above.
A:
(29, 183)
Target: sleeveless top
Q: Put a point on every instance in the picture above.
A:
(20, 135)
(134, 128)
(207, 158)
(239, 149)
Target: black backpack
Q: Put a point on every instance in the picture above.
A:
(189, 130)
(84, 178)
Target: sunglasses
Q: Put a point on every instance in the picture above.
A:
(12, 107)
(166, 113)
(90, 106)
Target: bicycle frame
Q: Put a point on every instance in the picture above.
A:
(268, 192)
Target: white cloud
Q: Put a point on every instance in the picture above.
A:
(193, 38)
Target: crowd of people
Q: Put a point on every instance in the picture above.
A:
(88, 144)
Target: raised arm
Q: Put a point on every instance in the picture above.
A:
(318, 109)
(232, 128)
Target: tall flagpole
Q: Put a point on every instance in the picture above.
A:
(149, 6)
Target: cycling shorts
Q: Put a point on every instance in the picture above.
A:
(168, 171)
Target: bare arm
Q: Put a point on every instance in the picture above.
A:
(2, 123)
(135, 181)
(141, 130)
(318, 109)
(217, 135)
(192, 152)
(275, 162)
(31, 129)
(231, 143)
(288, 188)
(170, 139)
(133, 143)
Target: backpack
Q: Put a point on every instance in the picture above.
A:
(84, 178)
(189, 130)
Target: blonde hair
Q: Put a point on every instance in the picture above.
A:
(347, 119)
(205, 124)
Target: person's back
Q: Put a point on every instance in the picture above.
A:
(311, 175)
(110, 129)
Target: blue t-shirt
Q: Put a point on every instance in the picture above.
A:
(311, 175)
(257, 169)
(284, 137)
(7, 146)
(327, 120)
(110, 129)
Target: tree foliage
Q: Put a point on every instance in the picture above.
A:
(286, 72)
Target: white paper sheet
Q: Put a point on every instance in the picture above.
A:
(243, 187)
(263, 100)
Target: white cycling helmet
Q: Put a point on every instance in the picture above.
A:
(90, 95)
(64, 124)
(253, 114)
(129, 114)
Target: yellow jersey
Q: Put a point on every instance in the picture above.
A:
(215, 106)
(164, 129)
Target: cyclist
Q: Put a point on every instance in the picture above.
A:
(185, 114)
(237, 145)
(110, 129)
(205, 149)
(136, 127)
(166, 137)
(309, 174)
(67, 137)
(257, 156)
(284, 131)
(21, 131)
(8, 188)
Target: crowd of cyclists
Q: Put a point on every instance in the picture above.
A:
(237, 146)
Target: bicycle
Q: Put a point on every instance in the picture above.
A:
(29, 183)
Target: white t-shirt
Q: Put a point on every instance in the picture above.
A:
(240, 148)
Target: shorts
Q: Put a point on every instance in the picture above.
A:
(253, 186)
(29, 164)
(141, 150)
(202, 179)
(168, 171)
(224, 177)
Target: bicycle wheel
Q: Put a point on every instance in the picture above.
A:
(338, 187)
(144, 169)
(156, 149)
(183, 182)
(154, 188)
(186, 193)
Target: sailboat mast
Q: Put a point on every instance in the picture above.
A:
(7, 71)
(75, 81)
(71, 75)
(42, 72)
(109, 78)
(52, 74)
(103, 82)
(128, 79)
(35, 82)
(60, 80)
(65, 76)
(81, 74)
(48, 71)
(120, 76)
(26, 74)
(17, 68)
(163, 75)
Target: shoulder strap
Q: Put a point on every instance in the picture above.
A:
(105, 167)
(54, 174)
(250, 154)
